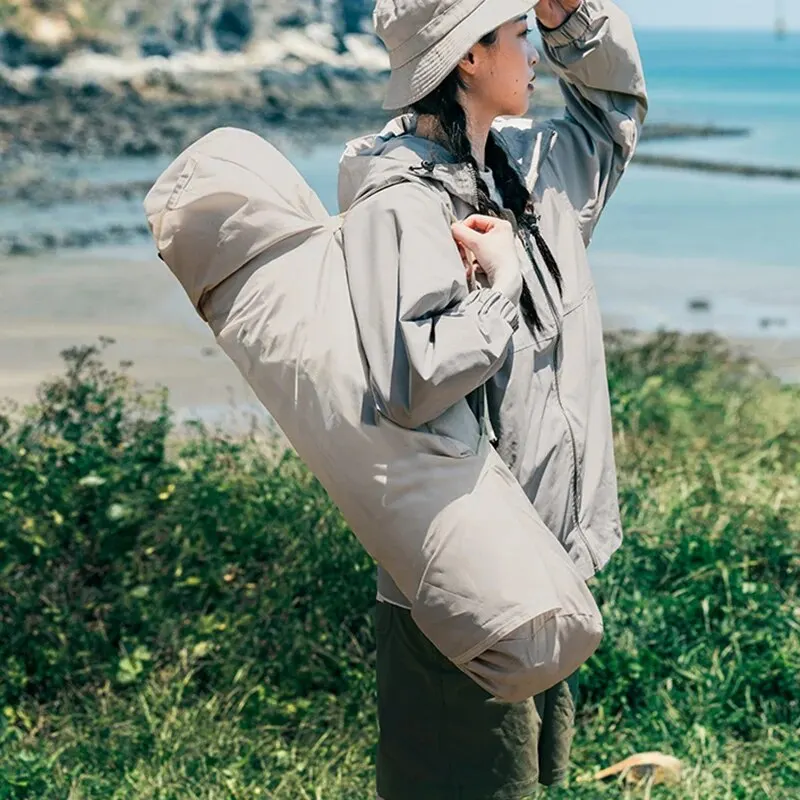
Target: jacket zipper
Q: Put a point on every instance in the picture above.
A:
(557, 344)
(575, 478)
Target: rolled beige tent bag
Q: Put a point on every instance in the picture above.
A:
(262, 262)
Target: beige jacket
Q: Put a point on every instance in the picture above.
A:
(425, 349)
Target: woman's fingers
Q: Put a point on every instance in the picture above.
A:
(464, 235)
(468, 260)
(481, 223)
(491, 242)
(473, 227)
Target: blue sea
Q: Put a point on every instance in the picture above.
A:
(668, 236)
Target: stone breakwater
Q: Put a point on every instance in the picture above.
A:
(700, 165)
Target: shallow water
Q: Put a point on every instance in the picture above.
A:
(737, 79)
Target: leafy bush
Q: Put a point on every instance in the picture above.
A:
(191, 611)
(701, 604)
(116, 559)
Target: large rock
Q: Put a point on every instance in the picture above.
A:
(155, 42)
(20, 50)
(233, 25)
(170, 26)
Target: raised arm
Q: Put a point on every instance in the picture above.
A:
(428, 340)
(595, 57)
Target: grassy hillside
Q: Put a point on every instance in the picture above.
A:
(192, 618)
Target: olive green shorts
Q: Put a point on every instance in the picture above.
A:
(442, 737)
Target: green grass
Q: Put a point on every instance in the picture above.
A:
(191, 617)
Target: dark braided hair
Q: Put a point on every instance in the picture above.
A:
(442, 103)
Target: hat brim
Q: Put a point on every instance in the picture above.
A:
(423, 74)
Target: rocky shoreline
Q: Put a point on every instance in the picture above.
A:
(309, 82)
(161, 112)
(297, 89)
(135, 108)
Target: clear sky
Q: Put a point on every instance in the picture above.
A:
(711, 13)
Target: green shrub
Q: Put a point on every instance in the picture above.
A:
(701, 603)
(191, 611)
(115, 559)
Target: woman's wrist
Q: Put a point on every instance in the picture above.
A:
(511, 287)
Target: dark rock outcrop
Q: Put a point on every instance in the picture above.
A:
(233, 26)
(171, 26)
(18, 50)
(154, 42)
(162, 112)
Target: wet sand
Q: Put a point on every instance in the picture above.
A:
(49, 303)
(65, 300)
(780, 355)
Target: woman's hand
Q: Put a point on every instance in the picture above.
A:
(492, 243)
(553, 13)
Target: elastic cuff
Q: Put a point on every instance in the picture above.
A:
(574, 28)
(493, 301)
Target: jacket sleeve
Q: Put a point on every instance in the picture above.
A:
(427, 339)
(584, 154)
(595, 56)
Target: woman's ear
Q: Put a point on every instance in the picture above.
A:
(469, 63)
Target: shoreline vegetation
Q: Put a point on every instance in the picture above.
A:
(188, 616)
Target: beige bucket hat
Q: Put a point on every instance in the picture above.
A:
(427, 38)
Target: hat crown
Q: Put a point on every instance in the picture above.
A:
(398, 21)
(427, 38)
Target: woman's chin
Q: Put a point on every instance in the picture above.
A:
(522, 109)
(518, 108)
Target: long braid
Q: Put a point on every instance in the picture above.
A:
(517, 199)
(457, 134)
(443, 104)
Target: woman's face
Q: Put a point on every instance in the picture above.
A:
(499, 76)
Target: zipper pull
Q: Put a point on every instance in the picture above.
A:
(487, 429)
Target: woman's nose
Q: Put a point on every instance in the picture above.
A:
(533, 55)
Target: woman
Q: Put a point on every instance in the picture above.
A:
(528, 198)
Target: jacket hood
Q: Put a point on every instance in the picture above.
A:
(396, 155)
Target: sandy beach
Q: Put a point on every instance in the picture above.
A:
(53, 302)
(65, 300)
